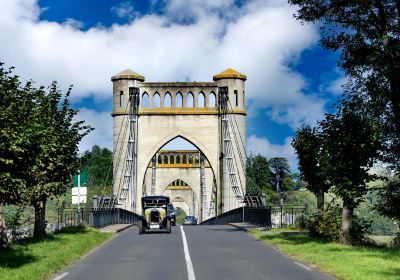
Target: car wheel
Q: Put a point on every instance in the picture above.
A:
(140, 225)
(168, 226)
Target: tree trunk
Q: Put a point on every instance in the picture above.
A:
(40, 223)
(347, 221)
(320, 202)
(3, 234)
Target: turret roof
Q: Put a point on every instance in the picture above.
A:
(128, 74)
(229, 74)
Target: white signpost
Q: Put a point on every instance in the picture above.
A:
(79, 196)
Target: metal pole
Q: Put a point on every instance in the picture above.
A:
(79, 197)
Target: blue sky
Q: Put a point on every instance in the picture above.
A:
(290, 78)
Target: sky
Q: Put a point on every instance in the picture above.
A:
(291, 80)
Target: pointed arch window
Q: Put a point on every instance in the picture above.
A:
(159, 160)
(202, 100)
(184, 159)
(211, 100)
(178, 159)
(171, 159)
(179, 100)
(165, 161)
(156, 100)
(191, 159)
(145, 100)
(190, 100)
(167, 100)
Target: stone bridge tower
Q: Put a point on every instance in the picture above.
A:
(191, 110)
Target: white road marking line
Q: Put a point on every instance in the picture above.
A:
(189, 264)
(61, 276)
(303, 266)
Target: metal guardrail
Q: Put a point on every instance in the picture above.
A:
(260, 216)
(276, 216)
(95, 218)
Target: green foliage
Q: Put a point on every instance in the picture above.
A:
(258, 175)
(39, 143)
(367, 34)
(351, 142)
(308, 143)
(326, 226)
(380, 225)
(98, 163)
(180, 215)
(34, 259)
(389, 199)
(340, 261)
(13, 216)
(299, 198)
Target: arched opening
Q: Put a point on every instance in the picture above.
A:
(211, 100)
(156, 100)
(167, 100)
(178, 159)
(145, 100)
(202, 100)
(165, 161)
(178, 100)
(190, 100)
(159, 161)
(171, 159)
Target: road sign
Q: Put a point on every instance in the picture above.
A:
(75, 199)
(84, 178)
(82, 192)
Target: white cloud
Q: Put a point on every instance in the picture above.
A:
(257, 145)
(102, 133)
(125, 10)
(190, 40)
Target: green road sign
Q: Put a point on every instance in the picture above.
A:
(84, 178)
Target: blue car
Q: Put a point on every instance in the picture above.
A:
(190, 220)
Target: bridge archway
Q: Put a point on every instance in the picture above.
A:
(179, 191)
(195, 111)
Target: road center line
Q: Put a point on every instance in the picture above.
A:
(303, 266)
(189, 264)
(61, 276)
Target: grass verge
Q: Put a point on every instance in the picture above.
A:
(38, 259)
(343, 262)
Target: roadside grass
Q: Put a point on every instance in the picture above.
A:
(38, 259)
(343, 262)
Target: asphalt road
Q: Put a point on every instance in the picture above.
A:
(212, 252)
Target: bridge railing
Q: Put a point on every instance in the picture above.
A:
(259, 216)
(275, 216)
(95, 217)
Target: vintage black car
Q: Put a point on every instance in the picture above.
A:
(155, 216)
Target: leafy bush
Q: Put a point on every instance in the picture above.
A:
(13, 218)
(328, 226)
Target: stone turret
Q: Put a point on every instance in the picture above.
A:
(235, 82)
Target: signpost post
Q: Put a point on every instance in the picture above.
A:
(79, 193)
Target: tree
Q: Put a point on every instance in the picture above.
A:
(258, 175)
(367, 33)
(389, 200)
(351, 142)
(38, 144)
(308, 143)
(280, 169)
(58, 135)
(17, 141)
(98, 163)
